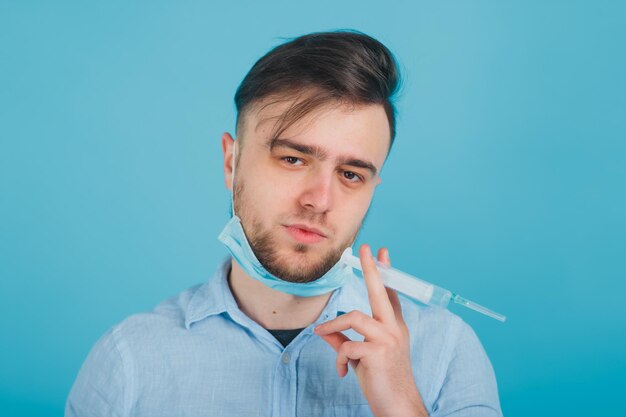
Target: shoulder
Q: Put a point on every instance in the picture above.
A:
(436, 323)
(129, 343)
(165, 319)
(436, 333)
(440, 331)
(451, 365)
(128, 354)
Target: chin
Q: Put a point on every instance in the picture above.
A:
(301, 257)
(305, 251)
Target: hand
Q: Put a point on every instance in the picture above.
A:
(382, 361)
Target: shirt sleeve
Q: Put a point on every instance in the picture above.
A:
(469, 388)
(103, 384)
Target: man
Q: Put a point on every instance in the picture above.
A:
(283, 328)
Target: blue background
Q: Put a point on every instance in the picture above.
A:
(506, 182)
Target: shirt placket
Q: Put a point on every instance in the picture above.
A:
(285, 376)
(284, 389)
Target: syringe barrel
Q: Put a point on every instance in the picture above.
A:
(413, 287)
(441, 297)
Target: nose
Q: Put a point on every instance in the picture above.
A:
(317, 193)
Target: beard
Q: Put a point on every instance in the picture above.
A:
(265, 248)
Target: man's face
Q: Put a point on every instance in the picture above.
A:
(302, 197)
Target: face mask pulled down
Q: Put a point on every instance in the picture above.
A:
(234, 237)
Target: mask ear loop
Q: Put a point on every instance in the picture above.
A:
(232, 180)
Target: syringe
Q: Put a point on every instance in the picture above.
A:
(416, 288)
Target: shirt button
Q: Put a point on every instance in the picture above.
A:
(286, 358)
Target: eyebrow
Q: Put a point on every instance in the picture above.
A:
(320, 154)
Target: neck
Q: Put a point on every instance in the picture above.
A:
(270, 308)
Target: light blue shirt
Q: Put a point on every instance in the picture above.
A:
(198, 354)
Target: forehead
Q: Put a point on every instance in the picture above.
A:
(341, 129)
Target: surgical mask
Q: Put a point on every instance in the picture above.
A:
(234, 237)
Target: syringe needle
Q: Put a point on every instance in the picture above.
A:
(477, 307)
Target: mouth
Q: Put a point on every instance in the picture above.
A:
(305, 234)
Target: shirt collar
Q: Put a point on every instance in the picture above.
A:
(215, 297)
(353, 296)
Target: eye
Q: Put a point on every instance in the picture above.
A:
(352, 176)
(292, 160)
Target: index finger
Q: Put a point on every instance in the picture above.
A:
(383, 257)
(382, 309)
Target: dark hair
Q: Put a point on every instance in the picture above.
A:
(344, 66)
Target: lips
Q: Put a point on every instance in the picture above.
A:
(305, 234)
(308, 229)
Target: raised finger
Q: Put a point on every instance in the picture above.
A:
(397, 308)
(378, 298)
(383, 257)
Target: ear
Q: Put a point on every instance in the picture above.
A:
(228, 144)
